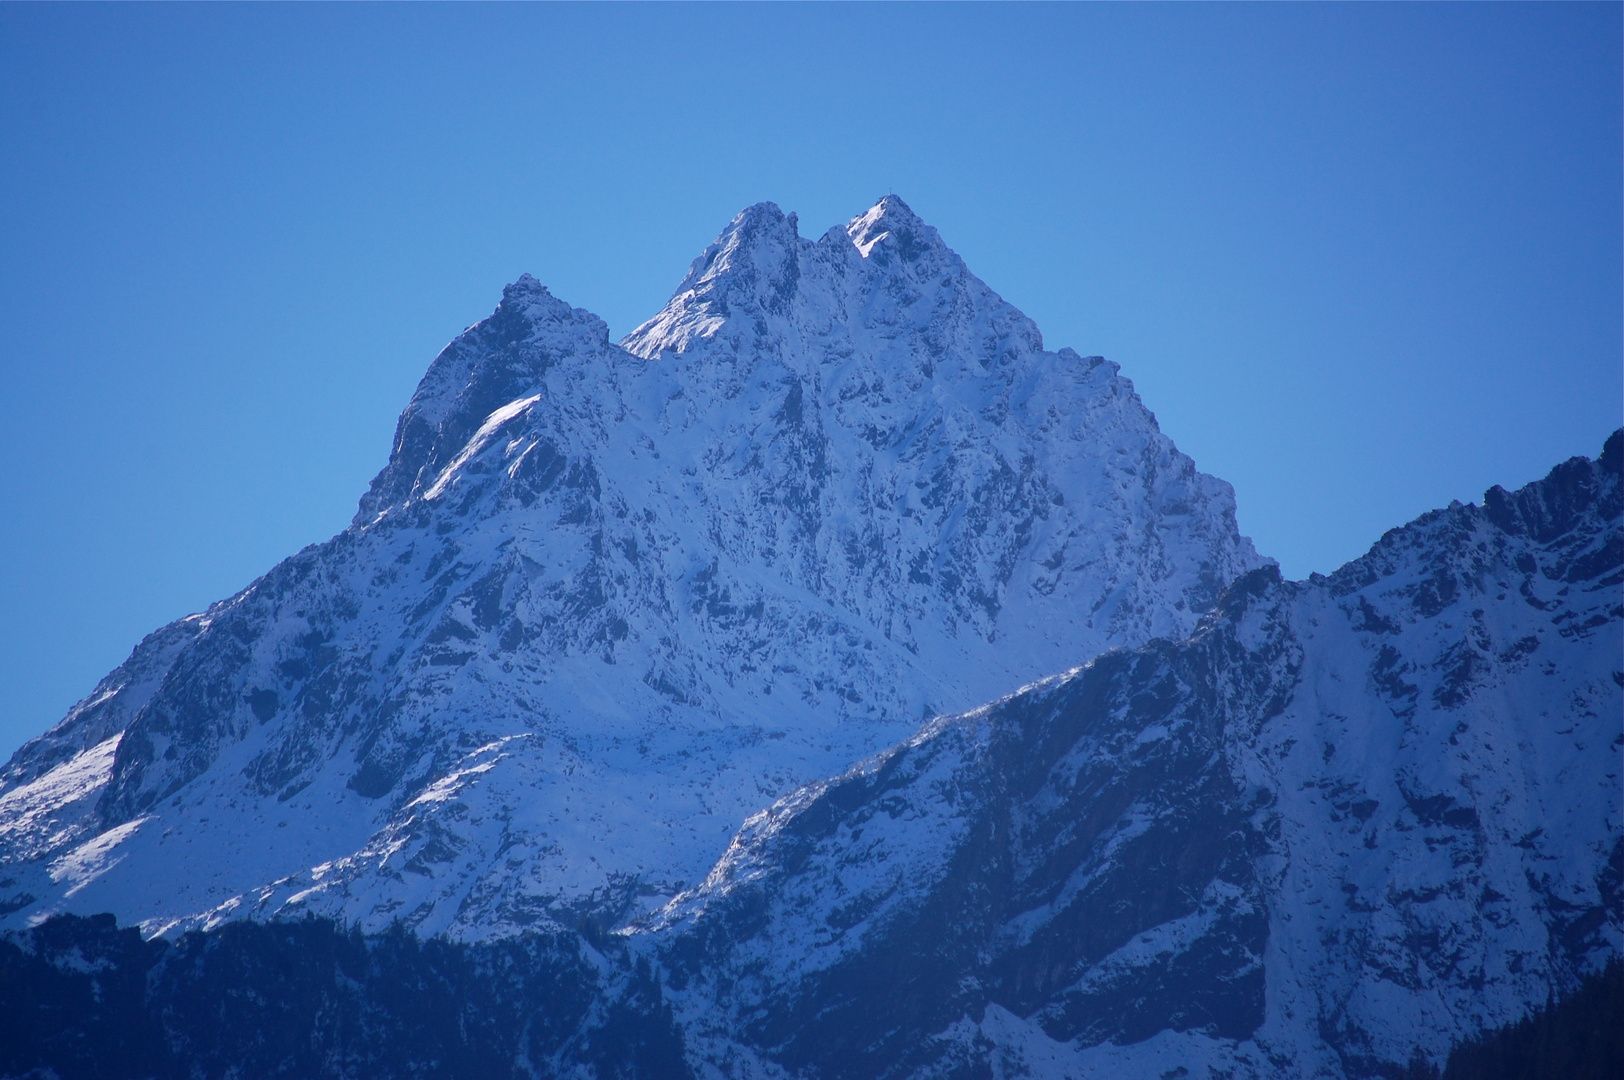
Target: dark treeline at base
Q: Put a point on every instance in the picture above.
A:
(81, 999)
(1580, 1037)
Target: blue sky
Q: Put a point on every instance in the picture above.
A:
(1360, 260)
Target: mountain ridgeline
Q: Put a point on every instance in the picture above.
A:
(605, 602)
(829, 681)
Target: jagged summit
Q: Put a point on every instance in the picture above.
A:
(615, 622)
(763, 240)
(892, 219)
(754, 264)
(885, 258)
(604, 602)
(493, 363)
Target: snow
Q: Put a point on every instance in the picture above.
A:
(491, 425)
(607, 602)
(90, 860)
(1429, 838)
(613, 624)
(47, 812)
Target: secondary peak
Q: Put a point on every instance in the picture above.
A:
(891, 218)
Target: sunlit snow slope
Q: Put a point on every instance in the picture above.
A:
(604, 602)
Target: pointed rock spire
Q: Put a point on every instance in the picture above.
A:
(490, 364)
(753, 264)
(891, 225)
(761, 265)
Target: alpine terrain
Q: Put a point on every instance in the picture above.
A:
(828, 682)
(604, 602)
(1346, 821)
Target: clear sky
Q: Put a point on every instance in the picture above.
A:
(1360, 260)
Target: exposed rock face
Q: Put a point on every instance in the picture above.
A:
(1346, 819)
(604, 602)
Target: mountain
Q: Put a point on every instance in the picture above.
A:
(1347, 818)
(606, 601)
(1345, 825)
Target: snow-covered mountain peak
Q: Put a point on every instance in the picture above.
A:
(603, 603)
(893, 219)
(762, 292)
(497, 361)
(760, 240)
(751, 266)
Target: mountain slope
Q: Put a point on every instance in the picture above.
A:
(604, 602)
(1347, 818)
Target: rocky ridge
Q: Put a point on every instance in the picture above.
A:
(605, 601)
(1345, 825)
(1346, 820)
